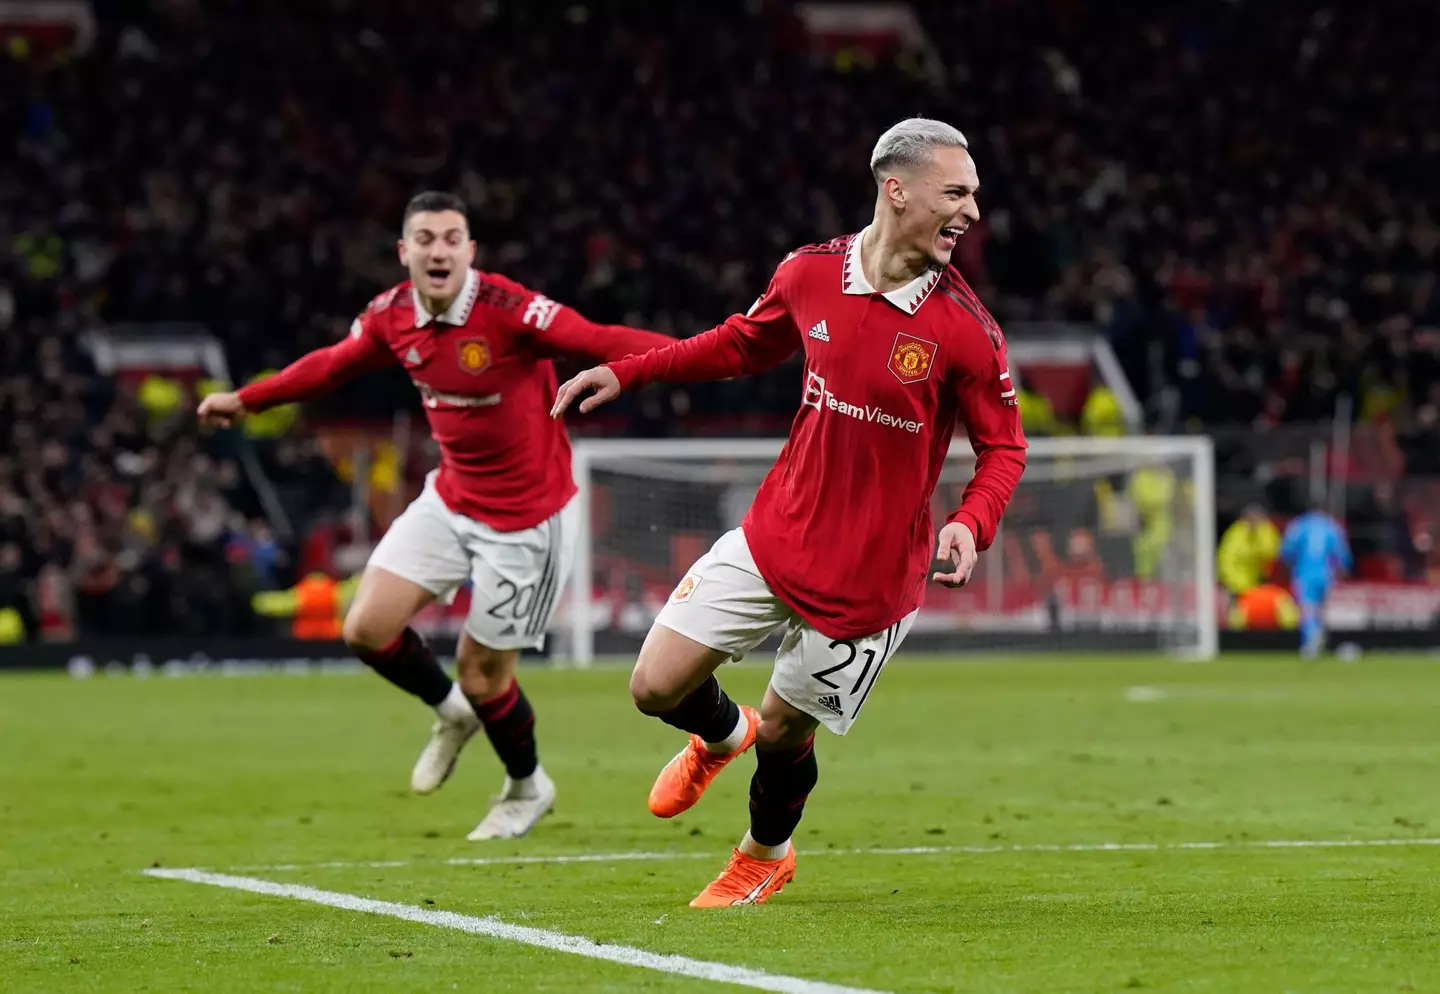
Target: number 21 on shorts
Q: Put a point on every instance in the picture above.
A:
(842, 687)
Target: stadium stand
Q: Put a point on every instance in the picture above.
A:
(1253, 252)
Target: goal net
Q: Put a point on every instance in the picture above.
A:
(1108, 544)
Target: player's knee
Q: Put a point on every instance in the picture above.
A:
(365, 634)
(669, 669)
(655, 692)
(782, 731)
(484, 672)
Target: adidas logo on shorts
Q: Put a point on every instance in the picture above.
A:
(831, 703)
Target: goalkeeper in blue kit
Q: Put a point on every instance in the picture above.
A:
(1315, 550)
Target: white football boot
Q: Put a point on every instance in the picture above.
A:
(455, 723)
(516, 809)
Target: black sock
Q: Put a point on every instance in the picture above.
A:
(783, 780)
(409, 664)
(509, 722)
(707, 712)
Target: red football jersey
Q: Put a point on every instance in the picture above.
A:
(484, 373)
(840, 529)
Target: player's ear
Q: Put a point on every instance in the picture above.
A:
(400, 251)
(895, 192)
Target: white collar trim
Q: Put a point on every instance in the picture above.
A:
(908, 297)
(459, 310)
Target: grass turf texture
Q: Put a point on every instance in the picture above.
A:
(99, 779)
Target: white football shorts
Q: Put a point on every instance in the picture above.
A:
(725, 603)
(517, 576)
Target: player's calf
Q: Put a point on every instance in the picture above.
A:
(407, 662)
(785, 773)
(509, 723)
(487, 677)
(779, 789)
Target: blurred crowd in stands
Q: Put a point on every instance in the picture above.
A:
(1239, 195)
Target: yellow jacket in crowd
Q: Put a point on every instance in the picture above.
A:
(12, 627)
(1152, 491)
(1247, 549)
(1101, 414)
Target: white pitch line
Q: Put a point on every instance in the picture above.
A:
(975, 850)
(604, 857)
(1148, 694)
(720, 973)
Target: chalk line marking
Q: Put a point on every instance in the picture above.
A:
(1314, 695)
(720, 973)
(976, 850)
(1150, 694)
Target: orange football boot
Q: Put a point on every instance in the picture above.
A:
(685, 777)
(747, 880)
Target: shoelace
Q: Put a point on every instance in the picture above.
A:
(735, 867)
(697, 758)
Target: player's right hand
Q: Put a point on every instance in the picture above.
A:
(956, 546)
(221, 409)
(601, 379)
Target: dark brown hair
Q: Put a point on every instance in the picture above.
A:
(434, 200)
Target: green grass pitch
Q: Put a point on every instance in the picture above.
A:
(102, 778)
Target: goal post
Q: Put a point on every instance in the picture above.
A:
(1108, 544)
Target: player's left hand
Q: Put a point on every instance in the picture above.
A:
(956, 547)
(601, 379)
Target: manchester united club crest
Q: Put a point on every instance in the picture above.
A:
(911, 358)
(685, 589)
(474, 354)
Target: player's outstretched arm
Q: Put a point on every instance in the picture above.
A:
(571, 333)
(761, 338)
(745, 343)
(601, 380)
(558, 330)
(312, 375)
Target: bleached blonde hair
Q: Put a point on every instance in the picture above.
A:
(909, 143)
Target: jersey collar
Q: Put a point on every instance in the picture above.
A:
(908, 297)
(459, 310)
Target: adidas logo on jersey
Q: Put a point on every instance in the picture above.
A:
(820, 333)
(831, 703)
(413, 356)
